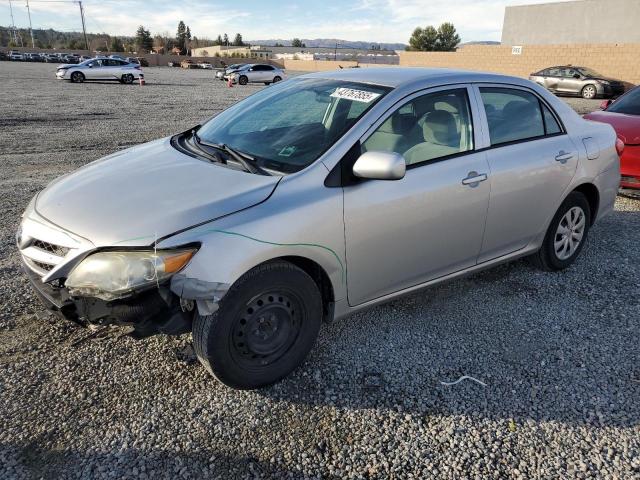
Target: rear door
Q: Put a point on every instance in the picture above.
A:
(532, 161)
(569, 82)
(552, 78)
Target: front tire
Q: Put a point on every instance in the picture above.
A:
(127, 78)
(276, 79)
(566, 235)
(77, 77)
(243, 80)
(589, 92)
(264, 328)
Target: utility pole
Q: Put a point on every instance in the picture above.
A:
(84, 30)
(33, 44)
(13, 25)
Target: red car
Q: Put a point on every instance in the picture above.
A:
(623, 115)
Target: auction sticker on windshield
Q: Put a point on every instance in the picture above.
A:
(355, 95)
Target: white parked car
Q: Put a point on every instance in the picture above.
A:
(256, 73)
(206, 66)
(100, 69)
(15, 56)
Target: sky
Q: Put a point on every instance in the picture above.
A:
(366, 20)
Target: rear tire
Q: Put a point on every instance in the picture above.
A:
(264, 328)
(243, 80)
(77, 77)
(589, 92)
(566, 235)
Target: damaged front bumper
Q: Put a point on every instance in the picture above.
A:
(149, 312)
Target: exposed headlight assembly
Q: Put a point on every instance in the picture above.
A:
(111, 274)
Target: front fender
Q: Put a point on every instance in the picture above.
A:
(302, 218)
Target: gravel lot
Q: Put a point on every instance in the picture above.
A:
(558, 352)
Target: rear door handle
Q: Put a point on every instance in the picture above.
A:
(474, 178)
(564, 157)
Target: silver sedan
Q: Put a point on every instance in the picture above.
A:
(100, 69)
(313, 199)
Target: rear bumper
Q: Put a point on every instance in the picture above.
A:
(149, 312)
(630, 167)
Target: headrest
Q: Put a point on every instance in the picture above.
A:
(440, 128)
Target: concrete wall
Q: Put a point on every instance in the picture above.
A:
(620, 61)
(326, 65)
(583, 21)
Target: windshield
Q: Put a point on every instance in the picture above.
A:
(289, 125)
(587, 72)
(629, 103)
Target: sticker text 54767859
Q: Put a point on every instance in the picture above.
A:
(355, 95)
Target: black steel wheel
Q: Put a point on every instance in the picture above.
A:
(276, 79)
(265, 326)
(127, 78)
(77, 77)
(243, 80)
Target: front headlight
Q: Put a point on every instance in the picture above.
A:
(111, 275)
(604, 82)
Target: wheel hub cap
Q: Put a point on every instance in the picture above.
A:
(569, 233)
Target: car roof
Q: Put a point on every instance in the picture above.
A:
(404, 76)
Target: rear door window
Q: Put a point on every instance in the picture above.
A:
(513, 115)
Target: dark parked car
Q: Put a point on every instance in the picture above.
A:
(582, 81)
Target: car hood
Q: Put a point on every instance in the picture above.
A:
(626, 126)
(147, 192)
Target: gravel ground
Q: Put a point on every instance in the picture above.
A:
(558, 352)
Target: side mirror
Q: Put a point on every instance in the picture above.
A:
(380, 166)
(605, 104)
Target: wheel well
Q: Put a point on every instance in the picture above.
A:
(590, 191)
(320, 277)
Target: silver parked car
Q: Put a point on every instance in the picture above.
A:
(100, 69)
(220, 74)
(308, 201)
(581, 81)
(256, 73)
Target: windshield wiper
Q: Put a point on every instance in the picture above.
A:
(247, 161)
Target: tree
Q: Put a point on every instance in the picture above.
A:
(143, 39)
(448, 38)
(278, 44)
(218, 40)
(238, 41)
(116, 45)
(428, 39)
(296, 42)
(424, 39)
(225, 39)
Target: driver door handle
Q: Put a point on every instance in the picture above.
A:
(564, 157)
(474, 178)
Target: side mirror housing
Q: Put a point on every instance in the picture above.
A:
(380, 166)
(605, 104)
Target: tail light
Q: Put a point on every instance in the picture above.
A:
(619, 147)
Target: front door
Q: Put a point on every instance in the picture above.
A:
(532, 161)
(430, 223)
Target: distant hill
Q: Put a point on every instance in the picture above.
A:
(331, 43)
(481, 42)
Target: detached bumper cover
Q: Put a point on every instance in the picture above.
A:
(150, 312)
